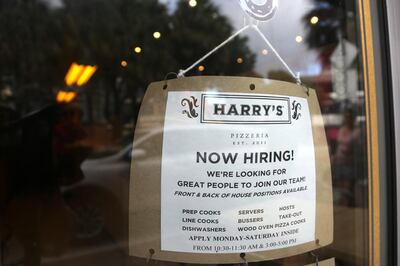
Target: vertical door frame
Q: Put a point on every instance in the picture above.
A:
(368, 49)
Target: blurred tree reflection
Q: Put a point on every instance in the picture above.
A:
(30, 51)
(38, 43)
(325, 31)
(333, 34)
(330, 25)
(198, 30)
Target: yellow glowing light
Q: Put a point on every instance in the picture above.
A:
(264, 52)
(239, 60)
(192, 3)
(73, 74)
(66, 97)
(299, 39)
(138, 49)
(201, 68)
(87, 74)
(69, 97)
(314, 20)
(124, 63)
(79, 74)
(157, 35)
(61, 96)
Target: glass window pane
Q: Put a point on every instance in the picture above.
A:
(73, 75)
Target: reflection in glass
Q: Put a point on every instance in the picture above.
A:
(66, 152)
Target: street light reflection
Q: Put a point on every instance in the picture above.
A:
(66, 96)
(86, 75)
(314, 20)
(157, 35)
(79, 74)
(73, 74)
(192, 3)
(138, 49)
(299, 39)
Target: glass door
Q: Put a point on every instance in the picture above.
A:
(73, 75)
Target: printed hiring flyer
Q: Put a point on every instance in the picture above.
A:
(238, 173)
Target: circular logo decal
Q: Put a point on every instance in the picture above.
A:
(260, 9)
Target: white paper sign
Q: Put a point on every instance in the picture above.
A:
(238, 173)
